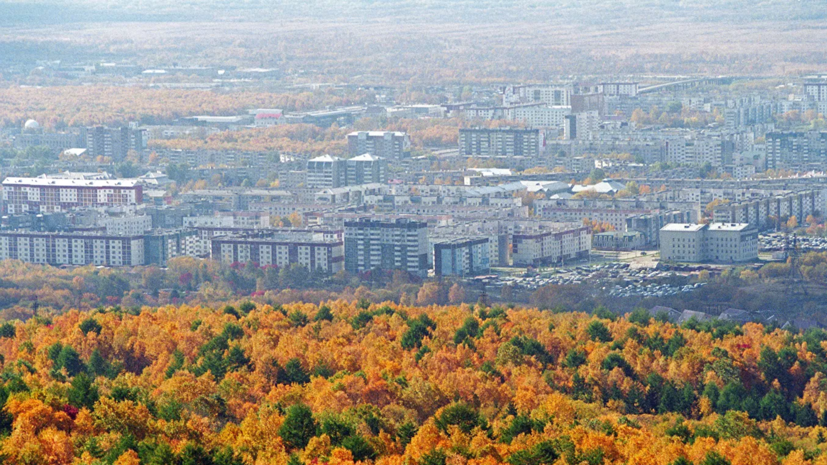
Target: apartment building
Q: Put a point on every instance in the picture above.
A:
(399, 244)
(326, 172)
(235, 219)
(386, 144)
(52, 194)
(163, 244)
(71, 248)
(365, 169)
(545, 246)
(624, 89)
(795, 149)
(816, 91)
(127, 225)
(715, 242)
(461, 257)
(767, 212)
(312, 250)
(500, 142)
(549, 94)
(114, 143)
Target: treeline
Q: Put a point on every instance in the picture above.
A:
(60, 107)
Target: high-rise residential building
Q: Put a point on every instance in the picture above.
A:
(581, 125)
(715, 242)
(326, 172)
(385, 144)
(114, 143)
(365, 169)
(462, 257)
(51, 194)
(795, 149)
(372, 244)
(162, 244)
(500, 142)
(72, 248)
(816, 91)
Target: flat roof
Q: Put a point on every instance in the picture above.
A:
(64, 182)
(683, 227)
(728, 226)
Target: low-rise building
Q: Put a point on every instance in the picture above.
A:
(618, 240)
(715, 242)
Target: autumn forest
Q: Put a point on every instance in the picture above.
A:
(348, 382)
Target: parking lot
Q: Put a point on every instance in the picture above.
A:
(776, 242)
(618, 279)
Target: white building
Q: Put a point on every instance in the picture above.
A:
(71, 248)
(626, 89)
(127, 225)
(314, 251)
(716, 242)
(549, 246)
(385, 144)
(55, 194)
(550, 94)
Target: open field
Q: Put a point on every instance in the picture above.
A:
(390, 50)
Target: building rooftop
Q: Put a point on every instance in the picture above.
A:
(325, 158)
(683, 227)
(377, 133)
(728, 226)
(366, 157)
(64, 182)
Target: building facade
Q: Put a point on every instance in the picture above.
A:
(538, 248)
(400, 244)
(162, 244)
(385, 144)
(72, 248)
(500, 142)
(313, 251)
(114, 143)
(44, 194)
(366, 169)
(127, 225)
(326, 172)
(715, 242)
(462, 257)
